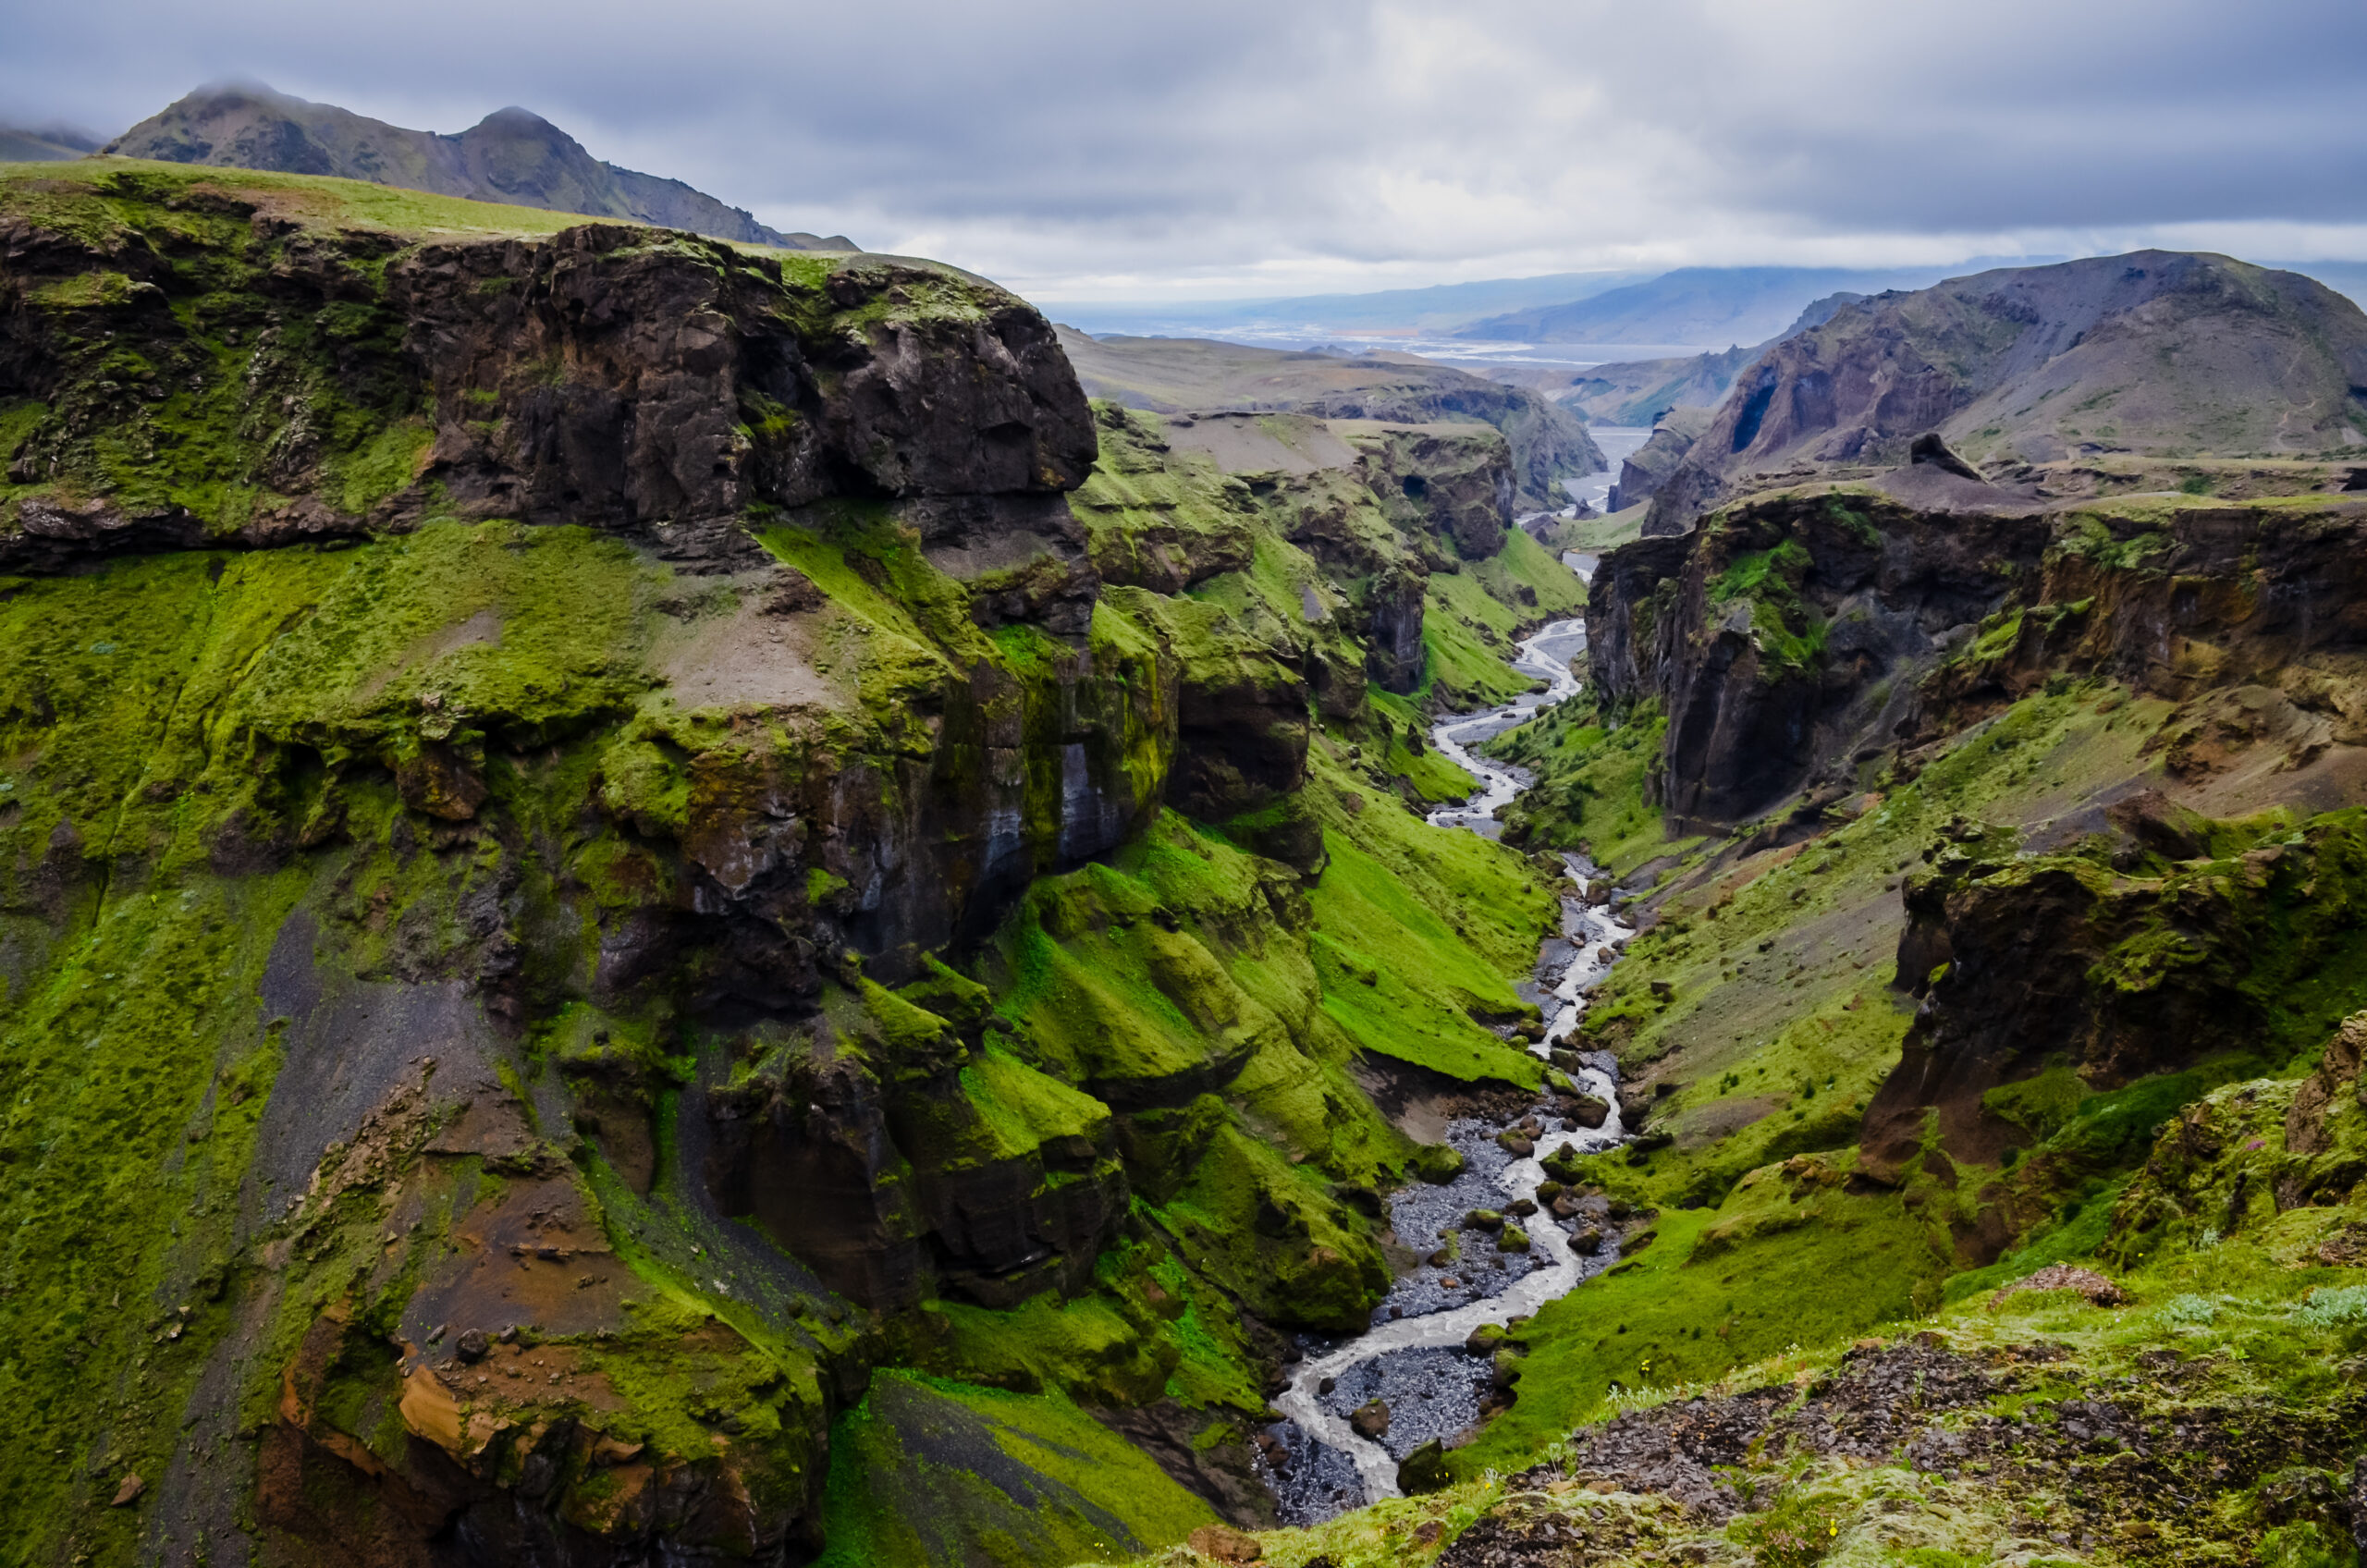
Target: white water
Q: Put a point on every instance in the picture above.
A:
(1593, 932)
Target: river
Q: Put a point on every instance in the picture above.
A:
(1413, 1357)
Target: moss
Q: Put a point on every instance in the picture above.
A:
(926, 1471)
(1593, 771)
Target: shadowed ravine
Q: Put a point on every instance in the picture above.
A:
(1413, 1358)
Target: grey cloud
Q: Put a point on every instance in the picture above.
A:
(1059, 144)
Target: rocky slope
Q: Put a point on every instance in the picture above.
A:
(512, 156)
(658, 900)
(2157, 353)
(1172, 376)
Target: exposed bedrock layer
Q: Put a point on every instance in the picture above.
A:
(1792, 638)
(648, 384)
(2059, 973)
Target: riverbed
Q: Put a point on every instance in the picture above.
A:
(1413, 1358)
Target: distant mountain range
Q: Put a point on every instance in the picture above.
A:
(1706, 309)
(1704, 305)
(1439, 309)
(512, 155)
(44, 144)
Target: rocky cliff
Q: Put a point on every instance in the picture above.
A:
(602, 835)
(1793, 638)
(1648, 466)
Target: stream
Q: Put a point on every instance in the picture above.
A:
(1413, 1357)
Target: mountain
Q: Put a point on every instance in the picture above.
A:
(2156, 353)
(2346, 278)
(1637, 392)
(1177, 374)
(46, 144)
(511, 156)
(1434, 308)
(661, 904)
(1694, 305)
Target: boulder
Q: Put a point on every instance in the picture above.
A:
(1371, 1419)
(1424, 1470)
(1222, 1543)
(2098, 1290)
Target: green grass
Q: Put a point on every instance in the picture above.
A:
(1591, 770)
(926, 1471)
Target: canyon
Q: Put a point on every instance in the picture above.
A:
(670, 900)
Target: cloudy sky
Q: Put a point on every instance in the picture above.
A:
(1220, 148)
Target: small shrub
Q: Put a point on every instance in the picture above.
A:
(1796, 1532)
(2341, 1308)
(2189, 1311)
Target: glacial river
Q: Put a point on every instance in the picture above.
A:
(1413, 1357)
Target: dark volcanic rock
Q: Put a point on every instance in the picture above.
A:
(1806, 634)
(1648, 466)
(698, 382)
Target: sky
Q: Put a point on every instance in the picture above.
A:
(1248, 148)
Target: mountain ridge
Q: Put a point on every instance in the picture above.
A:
(1179, 374)
(512, 156)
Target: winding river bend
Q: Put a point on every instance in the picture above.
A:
(1413, 1357)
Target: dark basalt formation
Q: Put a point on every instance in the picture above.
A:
(655, 386)
(1793, 638)
(1648, 466)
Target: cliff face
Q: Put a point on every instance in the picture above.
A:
(1792, 639)
(2067, 966)
(1786, 638)
(655, 386)
(1647, 468)
(2035, 364)
(591, 848)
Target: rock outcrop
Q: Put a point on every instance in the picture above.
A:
(1647, 468)
(1798, 636)
(2059, 964)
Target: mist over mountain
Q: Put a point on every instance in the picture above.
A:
(43, 144)
(512, 155)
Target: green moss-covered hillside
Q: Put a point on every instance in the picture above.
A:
(590, 1000)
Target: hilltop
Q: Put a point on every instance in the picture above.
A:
(511, 156)
(1174, 374)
